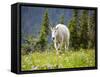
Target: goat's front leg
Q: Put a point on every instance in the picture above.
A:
(57, 54)
(56, 46)
(61, 45)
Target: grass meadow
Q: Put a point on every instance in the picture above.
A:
(49, 60)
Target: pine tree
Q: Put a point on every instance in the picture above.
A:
(84, 29)
(43, 39)
(74, 30)
(92, 30)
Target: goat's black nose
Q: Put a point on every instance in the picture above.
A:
(53, 38)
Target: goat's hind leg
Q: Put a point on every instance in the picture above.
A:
(66, 46)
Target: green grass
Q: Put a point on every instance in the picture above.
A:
(49, 59)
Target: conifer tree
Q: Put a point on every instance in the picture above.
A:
(74, 30)
(43, 38)
(92, 28)
(84, 29)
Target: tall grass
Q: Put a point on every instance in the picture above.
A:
(49, 59)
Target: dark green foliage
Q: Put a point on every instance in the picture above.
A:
(43, 38)
(62, 19)
(74, 30)
(28, 45)
(92, 28)
(84, 29)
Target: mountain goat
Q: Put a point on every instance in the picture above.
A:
(60, 36)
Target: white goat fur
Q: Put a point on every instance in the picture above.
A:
(61, 36)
